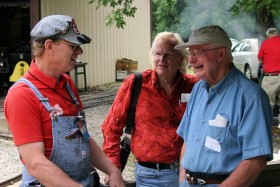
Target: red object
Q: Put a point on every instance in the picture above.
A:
(28, 119)
(157, 118)
(270, 55)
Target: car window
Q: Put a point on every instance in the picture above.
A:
(238, 47)
(246, 47)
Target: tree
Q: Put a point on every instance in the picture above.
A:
(121, 8)
(199, 13)
(265, 11)
(240, 18)
(165, 14)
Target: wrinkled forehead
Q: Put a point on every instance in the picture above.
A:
(164, 44)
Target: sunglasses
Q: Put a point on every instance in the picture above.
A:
(75, 47)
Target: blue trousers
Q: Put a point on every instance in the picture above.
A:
(147, 177)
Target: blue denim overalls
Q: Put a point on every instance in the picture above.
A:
(70, 150)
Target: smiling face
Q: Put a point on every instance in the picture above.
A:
(68, 54)
(55, 56)
(167, 61)
(209, 62)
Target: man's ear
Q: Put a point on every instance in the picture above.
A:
(223, 52)
(49, 46)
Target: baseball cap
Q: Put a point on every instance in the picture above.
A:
(59, 26)
(210, 34)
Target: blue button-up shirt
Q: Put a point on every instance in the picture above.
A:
(225, 124)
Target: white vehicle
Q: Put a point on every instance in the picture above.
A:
(233, 42)
(245, 58)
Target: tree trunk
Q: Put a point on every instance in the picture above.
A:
(264, 17)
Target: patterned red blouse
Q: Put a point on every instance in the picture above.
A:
(157, 117)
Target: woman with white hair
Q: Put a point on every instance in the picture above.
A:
(159, 110)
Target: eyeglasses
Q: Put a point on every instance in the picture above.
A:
(74, 46)
(198, 53)
(168, 54)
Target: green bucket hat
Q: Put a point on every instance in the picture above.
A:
(210, 34)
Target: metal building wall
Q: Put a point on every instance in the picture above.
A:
(108, 43)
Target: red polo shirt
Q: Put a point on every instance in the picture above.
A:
(28, 119)
(157, 118)
(270, 55)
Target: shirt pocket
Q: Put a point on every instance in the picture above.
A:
(214, 141)
(217, 133)
(218, 127)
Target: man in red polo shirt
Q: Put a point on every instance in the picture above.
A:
(269, 57)
(45, 113)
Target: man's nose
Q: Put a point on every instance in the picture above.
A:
(79, 50)
(192, 59)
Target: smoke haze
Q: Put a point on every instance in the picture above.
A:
(200, 13)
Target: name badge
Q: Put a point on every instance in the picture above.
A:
(185, 97)
(82, 127)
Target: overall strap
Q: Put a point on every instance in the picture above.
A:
(134, 98)
(42, 99)
(72, 94)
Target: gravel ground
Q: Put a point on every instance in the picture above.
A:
(10, 164)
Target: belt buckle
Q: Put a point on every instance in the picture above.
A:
(194, 180)
(174, 164)
(201, 181)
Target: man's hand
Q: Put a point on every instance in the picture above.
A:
(106, 180)
(114, 179)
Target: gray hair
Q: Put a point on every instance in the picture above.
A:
(175, 39)
(271, 31)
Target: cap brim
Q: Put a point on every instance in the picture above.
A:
(78, 39)
(181, 46)
(190, 43)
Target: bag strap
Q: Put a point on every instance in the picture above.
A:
(134, 98)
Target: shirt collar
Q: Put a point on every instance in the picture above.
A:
(224, 83)
(48, 81)
(155, 81)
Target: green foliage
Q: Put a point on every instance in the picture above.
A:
(240, 18)
(256, 5)
(166, 13)
(199, 13)
(266, 12)
(121, 9)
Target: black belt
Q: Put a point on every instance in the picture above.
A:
(206, 176)
(271, 74)
(159, 166)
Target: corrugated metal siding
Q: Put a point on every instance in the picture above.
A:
(108, 43)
